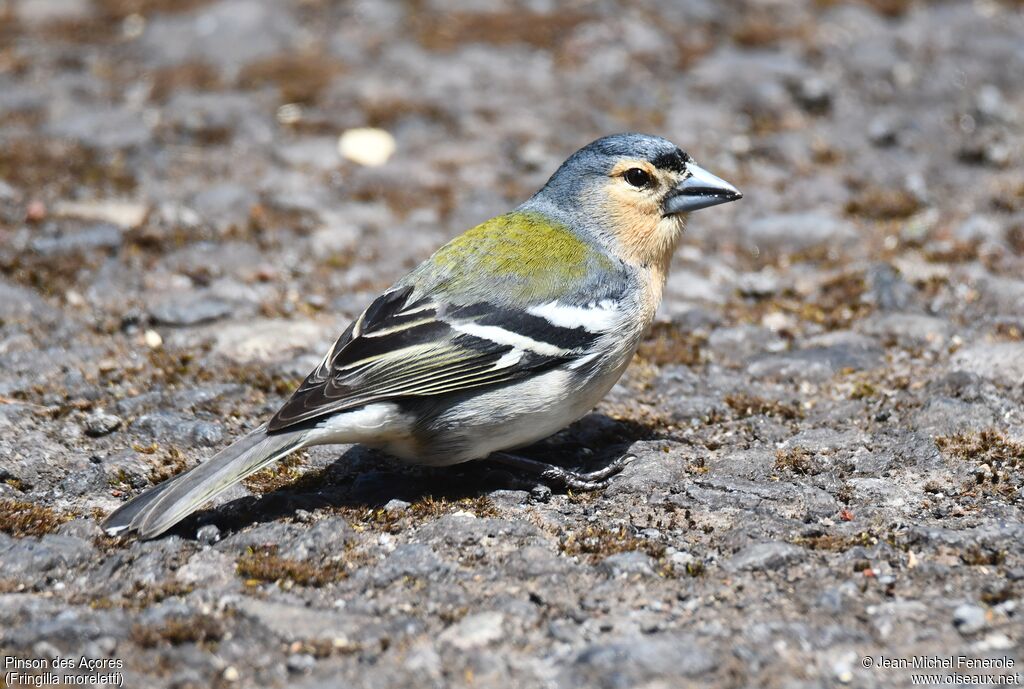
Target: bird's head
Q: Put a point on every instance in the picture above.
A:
(631, 192)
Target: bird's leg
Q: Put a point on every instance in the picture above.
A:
(593, 480)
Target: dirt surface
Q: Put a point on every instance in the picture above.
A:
(828, 415)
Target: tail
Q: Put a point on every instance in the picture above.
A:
(163, 506)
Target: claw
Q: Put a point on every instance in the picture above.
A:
(594, 480)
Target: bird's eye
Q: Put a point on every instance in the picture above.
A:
(637, 177)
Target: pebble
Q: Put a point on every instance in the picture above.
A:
(969, 619)
(124, 214)
(208, 534)
(366, 146)
(266, 340)
(764, 557)
(190, 309)
(475, 630)
(101, 423)
(396, 506)
(301, 663)
(624, 564)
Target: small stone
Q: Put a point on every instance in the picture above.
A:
(814, 95)
(625, 564)
(765, 556)
(761, 284)
(414, 560)
(153, 339)
(207, 568)
(125, 214)
(540, 493)
(998, 361)
(100, 424)
(190, 309)
(882, 132)
(100, 236)
(231, 674)
(395, 506)
(267, 339)
(475, 630)
(208, 534)
(366, 146)
(301, 663)
(969, 619)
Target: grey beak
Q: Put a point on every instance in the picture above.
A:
(700, 189)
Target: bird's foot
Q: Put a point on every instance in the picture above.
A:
(593, 480)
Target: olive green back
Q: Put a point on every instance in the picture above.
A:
(521, 257)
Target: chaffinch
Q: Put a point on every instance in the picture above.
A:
(505, 335)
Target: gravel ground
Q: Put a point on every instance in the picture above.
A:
(828, 415)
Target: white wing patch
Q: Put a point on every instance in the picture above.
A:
(507, 337)
(597, 318)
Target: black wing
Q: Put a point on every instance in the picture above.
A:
(398, 349)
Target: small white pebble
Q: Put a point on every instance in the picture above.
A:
(153, 339)
(366, 146)
(231, 674)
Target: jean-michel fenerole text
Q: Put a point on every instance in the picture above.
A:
(934, 662)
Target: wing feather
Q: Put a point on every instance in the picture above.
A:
(396, 349)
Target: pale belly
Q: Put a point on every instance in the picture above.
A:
(507, 418)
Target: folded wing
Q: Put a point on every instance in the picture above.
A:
(399, 348)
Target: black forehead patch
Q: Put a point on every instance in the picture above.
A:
(674, 160)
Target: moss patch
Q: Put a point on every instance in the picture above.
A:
(425, 509)
(999, 460)
(796, 460)
(265, 565)
(196, 629)
(989, 446)
(597, 542)
(19, 519)
(750, 405)
(283, 473)
(882, 203)
(453, 30)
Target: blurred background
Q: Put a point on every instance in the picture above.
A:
(197, 195)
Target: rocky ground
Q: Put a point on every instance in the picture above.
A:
(828, 416)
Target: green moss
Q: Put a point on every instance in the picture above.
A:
(426, 508)
(599, 542)
(19, 518)
(265, 565)
(283, 473)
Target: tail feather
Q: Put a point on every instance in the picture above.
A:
(163, 506)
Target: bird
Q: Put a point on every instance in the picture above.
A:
(505, 335)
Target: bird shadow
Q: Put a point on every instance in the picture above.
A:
(364, 479)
